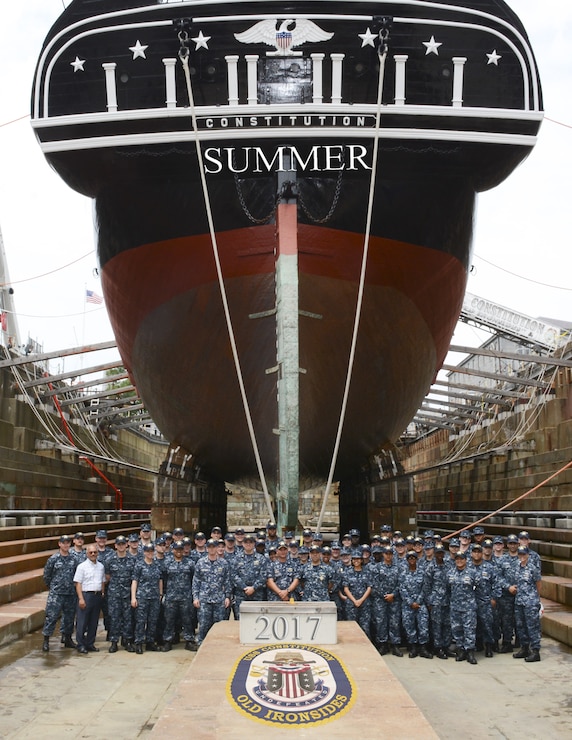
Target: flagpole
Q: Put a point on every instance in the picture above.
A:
(83, 322)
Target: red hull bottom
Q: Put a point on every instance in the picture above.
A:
(165, 306)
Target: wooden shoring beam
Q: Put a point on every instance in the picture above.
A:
(15, 361)
(538, 359)
(72, 374)
(513, 379)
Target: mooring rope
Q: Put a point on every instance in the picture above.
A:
(382, 57)
(184, 57)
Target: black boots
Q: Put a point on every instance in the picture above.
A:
(522, 653)
(68, 642)
(441, 654)
(139, 648)
(471, 657)
(461, 655)
(396, 651)
(533, 656)
(488, 650)
(166, 647)
(151, 647)
(192, 646)
(113, 647)
(129, 646)
(383, 648)
(413, 651)
(424, 652)
(46, 645)
(506, 647)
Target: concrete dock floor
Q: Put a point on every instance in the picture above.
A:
(123, 696)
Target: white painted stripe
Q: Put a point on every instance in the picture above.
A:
(277, 109)
(149, 139)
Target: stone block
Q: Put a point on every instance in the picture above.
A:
(563, 523)
(8, 521)
(75, 519)
(514, 521)
(537, 522)
(32, 521)
(57, 519)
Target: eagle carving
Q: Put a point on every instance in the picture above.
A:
(282, 38)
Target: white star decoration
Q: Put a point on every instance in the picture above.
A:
(138, 50)
(493, 58)
(77, 65)
(432, 46)
(201, 41)
(367, 38)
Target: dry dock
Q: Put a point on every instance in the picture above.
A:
(126, 696)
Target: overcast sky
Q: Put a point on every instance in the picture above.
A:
(522, 255)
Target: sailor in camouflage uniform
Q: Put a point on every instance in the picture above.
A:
(282, 576)
(462, 581)
(119, 574)
(177, 589)
(317, 578)
(527, 607)
(509, 564)
(357, 587)
(385, 604)
(249, 574)
(437, 600)
(146, 593)
(487, 593)
(58, 577)
(211, 589)
(414, 612)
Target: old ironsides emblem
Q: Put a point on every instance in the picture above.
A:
(290, 684)
(284, 37)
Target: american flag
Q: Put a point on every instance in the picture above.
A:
(91, 297)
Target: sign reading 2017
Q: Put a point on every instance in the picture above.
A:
(290, 627)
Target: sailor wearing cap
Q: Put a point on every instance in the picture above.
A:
(487, 593)
(271, 537)
(357, 583)
(527, 607)
(146, 593)
(386, 607)
(212, 589)
(524, 540)
(58, 577)
(414, 612)
(462, 581)
(249, 574)
(77, 549)
(145, 536)
(437, 590)
(119, 574)
(178, 577)
(282, 577)
(316, 577)
(509, 564)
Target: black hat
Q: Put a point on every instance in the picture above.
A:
(101, 533)
(65, 538)
(133, 537)
(145, 528)
(354, 532)
(79, 536)
(178, 530)
(229, 537)
(178, 545)
(121, 540)
(249, 537)
(200, 536)
(212, 543)
(149, 547)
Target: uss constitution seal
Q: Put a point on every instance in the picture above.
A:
(290, 684)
